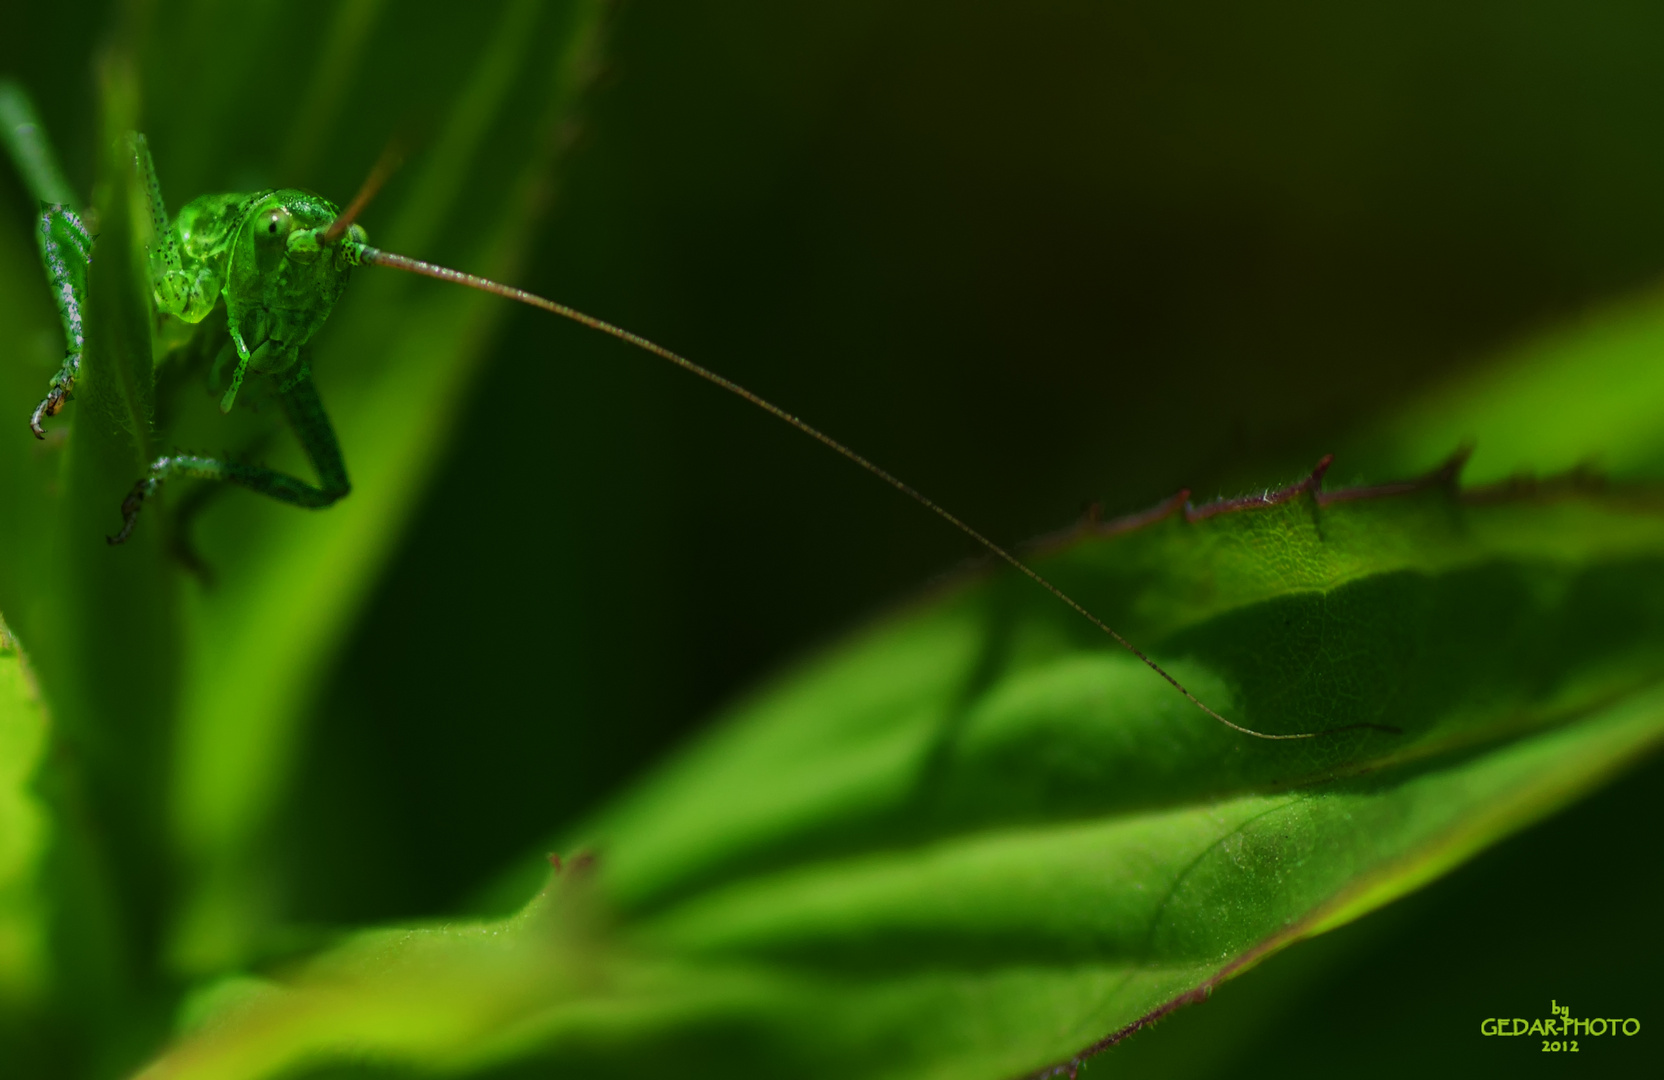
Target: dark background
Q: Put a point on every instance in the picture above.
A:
(1027, 255)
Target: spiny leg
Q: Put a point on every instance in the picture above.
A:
(65, 251)
(317, 437)
(181, 522)
(65, 243)
(244, 358)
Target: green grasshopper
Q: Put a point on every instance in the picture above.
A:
(279, 260)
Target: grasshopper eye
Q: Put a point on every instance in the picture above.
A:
(274, 224)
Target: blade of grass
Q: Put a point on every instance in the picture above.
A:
(24, 824)
(102, 630)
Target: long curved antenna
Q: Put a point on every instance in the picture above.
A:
(375, 257)
(392, 156)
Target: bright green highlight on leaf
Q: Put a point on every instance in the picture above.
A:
(453, 995)
(1582, 395)
(23, 829)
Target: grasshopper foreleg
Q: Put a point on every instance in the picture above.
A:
(65, 243)
(317, 437)
(66, 252)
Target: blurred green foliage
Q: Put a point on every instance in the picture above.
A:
(1024, 255)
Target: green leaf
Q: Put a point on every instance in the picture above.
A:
(24, 823)
(1581, 395)
(977, 839)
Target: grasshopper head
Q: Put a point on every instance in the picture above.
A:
(281, 283)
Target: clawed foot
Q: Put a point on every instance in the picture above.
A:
(49, 406)
(130, 508)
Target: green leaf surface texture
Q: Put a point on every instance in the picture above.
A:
(24, 832)
(977, 840)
